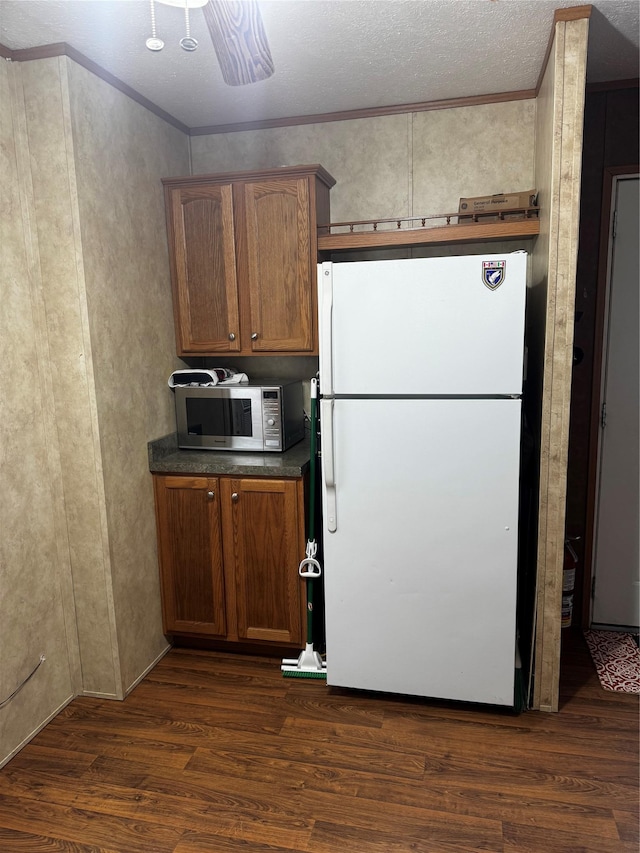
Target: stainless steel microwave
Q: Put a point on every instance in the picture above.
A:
(264, 417)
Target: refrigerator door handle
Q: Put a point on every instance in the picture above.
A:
(325, 288)
(328, 466)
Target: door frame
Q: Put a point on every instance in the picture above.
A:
(612, 174)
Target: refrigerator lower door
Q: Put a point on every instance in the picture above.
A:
(420, 559)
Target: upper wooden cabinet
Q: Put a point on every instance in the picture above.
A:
(203, 268)
(243, 251)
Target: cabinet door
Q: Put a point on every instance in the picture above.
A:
(190, 555)
(205, 289)
(280, 269)
(264, 543)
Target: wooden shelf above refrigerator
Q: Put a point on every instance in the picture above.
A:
(350, 236)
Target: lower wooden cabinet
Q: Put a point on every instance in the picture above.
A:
(229, 550)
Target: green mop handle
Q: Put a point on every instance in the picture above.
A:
(313, 416)
(311, 545)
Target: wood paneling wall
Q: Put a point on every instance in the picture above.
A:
(558, 166)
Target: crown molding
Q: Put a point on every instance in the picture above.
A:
(571, 13)
(47, 51)
(372, 112)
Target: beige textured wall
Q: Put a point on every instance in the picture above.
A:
(86, 310)
(558, 173)
(71, 354)
(121, 152)
(470, 151)
(403, 165)
(35, 582)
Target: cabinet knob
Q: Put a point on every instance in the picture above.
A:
(234, 497)
(232, 337)
(254, 336)
(210, 496)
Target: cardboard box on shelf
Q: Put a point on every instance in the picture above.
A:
(499, 206)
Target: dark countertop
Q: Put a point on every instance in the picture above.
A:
(165, 457)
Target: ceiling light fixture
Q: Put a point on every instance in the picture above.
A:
(154, 43)
(193, 4)
(187, 43)
(237, 34)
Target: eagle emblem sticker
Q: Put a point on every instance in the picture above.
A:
(493, 273)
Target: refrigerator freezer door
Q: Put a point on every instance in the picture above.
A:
(440, 326)
(420, 573)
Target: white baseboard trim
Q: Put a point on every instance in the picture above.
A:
(38, 728)
(89, 693)
(147, 670)
(95, 695)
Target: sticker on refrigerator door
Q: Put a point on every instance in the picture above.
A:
(493, 273)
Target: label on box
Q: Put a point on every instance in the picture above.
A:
(498, 202)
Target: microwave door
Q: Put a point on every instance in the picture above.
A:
(207, 416)
(238, 418)
(243, 418)
(252, 414)
(224, 418)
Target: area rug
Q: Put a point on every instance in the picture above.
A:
(617, 660)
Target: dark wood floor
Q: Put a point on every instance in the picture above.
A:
(217, 753)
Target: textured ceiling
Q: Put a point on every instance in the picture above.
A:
(330, 55)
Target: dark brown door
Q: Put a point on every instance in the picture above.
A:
(190, 555)
(280, 269)
(204, 269)
(265, 542)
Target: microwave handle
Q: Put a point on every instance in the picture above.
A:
(325, 312)
(328, 465)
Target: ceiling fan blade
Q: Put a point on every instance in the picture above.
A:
(239, 39)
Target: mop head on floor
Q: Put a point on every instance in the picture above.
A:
(308, 665)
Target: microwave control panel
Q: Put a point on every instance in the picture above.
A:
(271, 419)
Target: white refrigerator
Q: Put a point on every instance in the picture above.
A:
(421, 371)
